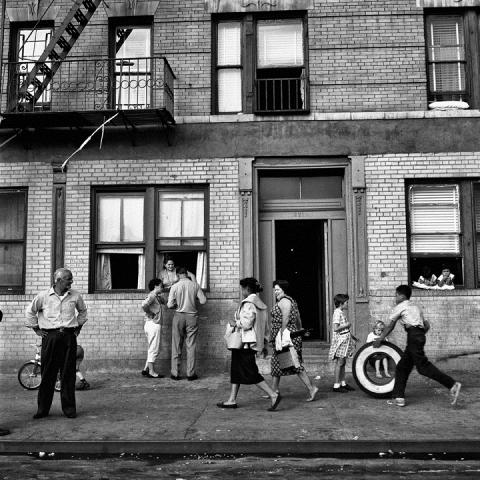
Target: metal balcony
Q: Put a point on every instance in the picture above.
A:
(84, 91)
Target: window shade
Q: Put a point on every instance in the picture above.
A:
(446, 44)
(120, 219)
(229, 90)
(435, 219)
(12, 215)
(181, 214)
(137, 44)
(228, 44)
(279, 43)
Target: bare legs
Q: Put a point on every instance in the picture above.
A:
(305, 380)
(263, 385)
(385, 368)
(339, 370)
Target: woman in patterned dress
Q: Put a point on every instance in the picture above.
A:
(285, 315)
(343, 343)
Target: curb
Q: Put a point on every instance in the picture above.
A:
(255, 447)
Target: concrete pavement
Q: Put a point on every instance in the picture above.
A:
(123, 406)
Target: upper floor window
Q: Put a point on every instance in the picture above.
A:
(13, 215)
(130, 45)
(137, 231)
(444, 231)
(27, 45)
(262, 73)
(446, 57)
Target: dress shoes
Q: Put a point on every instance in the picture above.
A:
(175, 377)
(226, 405)
(40, 415)
(4, 431)
(193, 377)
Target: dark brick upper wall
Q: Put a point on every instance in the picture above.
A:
(365, 55)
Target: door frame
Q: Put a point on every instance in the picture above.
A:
(326, 211)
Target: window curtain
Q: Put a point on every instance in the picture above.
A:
(435, 219)
(229, 80)
(445, 46)
(104, 270)
(280, 43)
(201, 272)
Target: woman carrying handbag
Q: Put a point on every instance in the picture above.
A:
(251, 321)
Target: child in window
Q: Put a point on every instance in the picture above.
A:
(378, 358)
(427, 277)
(446, 278)
(343, 343)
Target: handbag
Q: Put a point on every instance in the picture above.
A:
(285, 359)
(233, 338)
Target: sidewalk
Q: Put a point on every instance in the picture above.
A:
(125, 406)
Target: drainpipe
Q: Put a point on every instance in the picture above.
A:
(2, 31)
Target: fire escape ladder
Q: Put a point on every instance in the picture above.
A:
(62, 41)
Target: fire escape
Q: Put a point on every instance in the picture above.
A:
(58, 90)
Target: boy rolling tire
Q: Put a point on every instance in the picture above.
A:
(364, 372)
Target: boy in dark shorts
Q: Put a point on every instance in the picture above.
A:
(411, 317)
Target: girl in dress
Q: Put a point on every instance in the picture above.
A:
(343, 344)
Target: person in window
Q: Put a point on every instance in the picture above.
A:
(427, 278)
(183, 297)
(446, 278)
(153, 308)
(251, 319)
(169, 276)
(52, 316)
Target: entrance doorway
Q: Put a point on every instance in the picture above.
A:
(300, 259)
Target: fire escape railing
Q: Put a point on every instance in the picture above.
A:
(93, 84)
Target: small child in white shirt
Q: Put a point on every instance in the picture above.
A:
(378, 358)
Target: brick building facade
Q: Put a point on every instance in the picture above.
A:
(315, 188)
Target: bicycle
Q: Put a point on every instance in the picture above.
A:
(29, 374)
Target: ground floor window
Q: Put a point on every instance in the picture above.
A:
(137, 231)
(444, 232)
(13, 216)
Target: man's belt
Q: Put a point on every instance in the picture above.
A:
(61, 329)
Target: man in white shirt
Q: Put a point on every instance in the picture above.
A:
(183, 296)
(52, 316)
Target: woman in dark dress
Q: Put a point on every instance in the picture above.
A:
(251, 318)
(286, 316)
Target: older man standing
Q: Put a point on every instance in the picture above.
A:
(182, 297)
(52, 316)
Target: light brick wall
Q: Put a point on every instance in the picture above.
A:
(453, 315)
(115, 326)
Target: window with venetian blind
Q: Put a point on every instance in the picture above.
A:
(444, 230)
(267, 67)
(446, 57)
(134, 236)
(13, 215)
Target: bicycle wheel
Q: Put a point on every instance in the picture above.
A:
(363, 368)
(29, 375)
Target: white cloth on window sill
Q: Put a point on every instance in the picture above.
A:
(434, 287)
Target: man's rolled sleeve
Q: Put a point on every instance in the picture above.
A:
(82, 311)
(31, 312)
(171, 298)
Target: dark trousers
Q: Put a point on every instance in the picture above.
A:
(414, 355)
(59, 350)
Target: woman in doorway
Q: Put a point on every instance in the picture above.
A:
(251, 318)
(286, 321)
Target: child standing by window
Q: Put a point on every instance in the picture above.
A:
(343, 343)
(378, 358)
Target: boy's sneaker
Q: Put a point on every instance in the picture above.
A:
(347, 388)
(454, 392)
(400, 402)
(83, 385)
